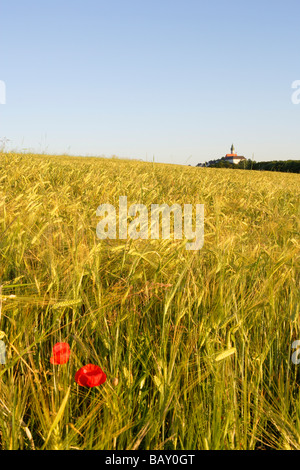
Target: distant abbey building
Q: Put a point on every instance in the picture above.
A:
(233, 157)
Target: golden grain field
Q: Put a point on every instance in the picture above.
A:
(196, 345)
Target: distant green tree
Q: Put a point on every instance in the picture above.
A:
(291, 166)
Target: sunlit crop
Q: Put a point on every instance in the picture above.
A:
(196, 346)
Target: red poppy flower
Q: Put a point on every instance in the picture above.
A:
(90, 376)
(61, 353)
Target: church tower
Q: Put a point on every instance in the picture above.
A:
(233, 157)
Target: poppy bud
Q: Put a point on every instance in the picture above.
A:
(115, 381)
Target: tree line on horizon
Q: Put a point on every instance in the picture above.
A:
(288, 166)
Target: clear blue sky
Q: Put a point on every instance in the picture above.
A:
(178, 79)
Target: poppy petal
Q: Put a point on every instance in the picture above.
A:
(60, 353)
(90, 376)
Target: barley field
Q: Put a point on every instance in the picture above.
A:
(196, 345)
